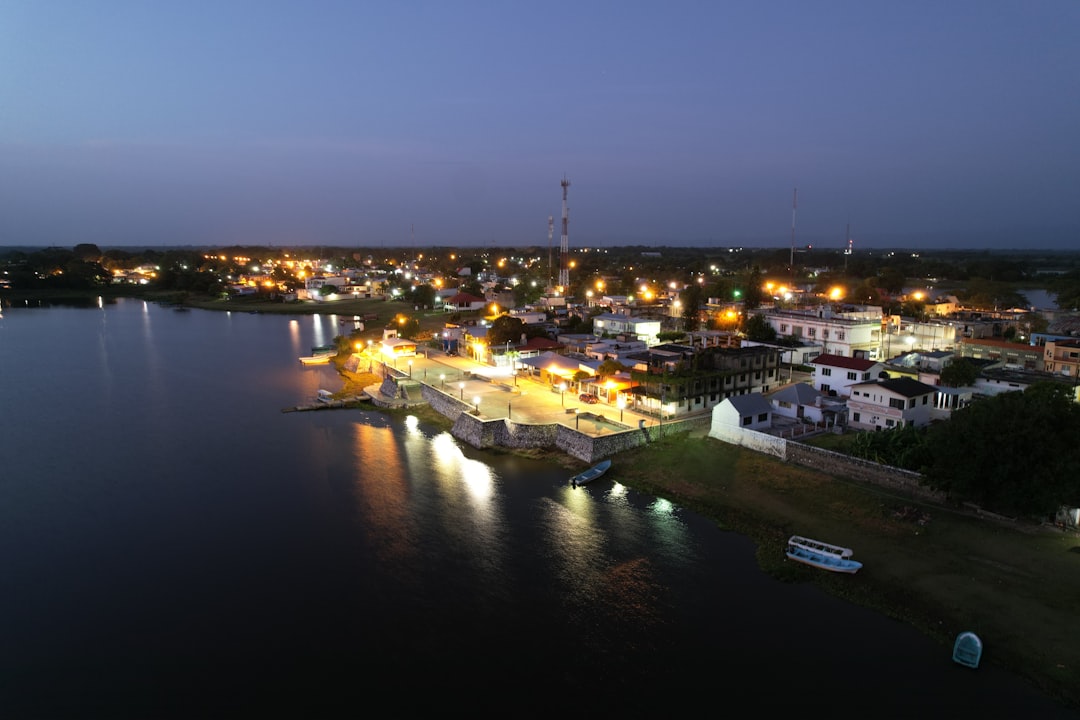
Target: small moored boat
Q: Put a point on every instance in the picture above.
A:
(822, 555)
(591, 474)
(967, 650)
(320, 355)
(316, 359)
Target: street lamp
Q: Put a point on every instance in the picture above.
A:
(442, 380)
(461, 387)
(621, 402)
(410, 368)
(562, 394)
(476, 402)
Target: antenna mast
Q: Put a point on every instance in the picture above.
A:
(564, 243)
(847, 251)
(551, 232)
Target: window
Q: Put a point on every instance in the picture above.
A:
(911, 403)
(763, 417)
(811, 332)
(824, 388)
(747, 420)
(783, 328)
(839, 334)
(890, 423)
(825, 333)
(897, 403)
(853, 376)
(855, 417)
(826, 371)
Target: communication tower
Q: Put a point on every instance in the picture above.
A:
(564, 242)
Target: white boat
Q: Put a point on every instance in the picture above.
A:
(316, 359)
(320, 355)
(822, 555)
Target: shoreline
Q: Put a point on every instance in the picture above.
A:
(910, 574)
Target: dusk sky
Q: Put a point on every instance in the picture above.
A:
(950, 123)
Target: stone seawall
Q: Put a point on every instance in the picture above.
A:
(481, 433)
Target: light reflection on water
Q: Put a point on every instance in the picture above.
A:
(164, 521)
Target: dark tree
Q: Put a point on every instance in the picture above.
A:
(758, 329)
(692, 298)
(504, 329)
(959, 373)
(1013, 453)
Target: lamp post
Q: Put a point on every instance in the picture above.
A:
(410, 368)
(442, 380)
(476, 402)
(461, 387)
(508, 416)
(562, 394)
(621, 402)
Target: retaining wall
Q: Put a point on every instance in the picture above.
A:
(827, 461)
(501, 432)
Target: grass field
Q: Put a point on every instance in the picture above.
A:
(942, 571)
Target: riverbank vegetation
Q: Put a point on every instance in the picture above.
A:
(940, 570)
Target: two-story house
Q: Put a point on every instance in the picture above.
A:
(1062, 357)
(892, 403)
(838, 373)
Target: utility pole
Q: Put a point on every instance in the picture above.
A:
(551, 232)
(794, 206)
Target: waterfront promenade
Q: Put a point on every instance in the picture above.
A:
(499, 393)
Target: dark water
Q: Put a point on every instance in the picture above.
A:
(172, 545)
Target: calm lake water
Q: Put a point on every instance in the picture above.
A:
(173, 545)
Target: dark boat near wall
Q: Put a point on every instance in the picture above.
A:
(591, 474)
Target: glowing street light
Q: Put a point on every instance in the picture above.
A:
(410, 368)
(476, 402)
(562, 394)
(442, 380)
(621, 403)
(461, 387)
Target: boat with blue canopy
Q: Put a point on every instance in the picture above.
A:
(822, 555)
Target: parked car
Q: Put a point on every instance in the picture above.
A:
(588, 398)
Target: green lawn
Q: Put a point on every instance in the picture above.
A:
(1018, 588)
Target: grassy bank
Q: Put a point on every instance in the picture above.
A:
(941, 571)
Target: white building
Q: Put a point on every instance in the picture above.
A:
(844, 333)
(750, 412)
(641, 329)
(835, 373)
(892, 403)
